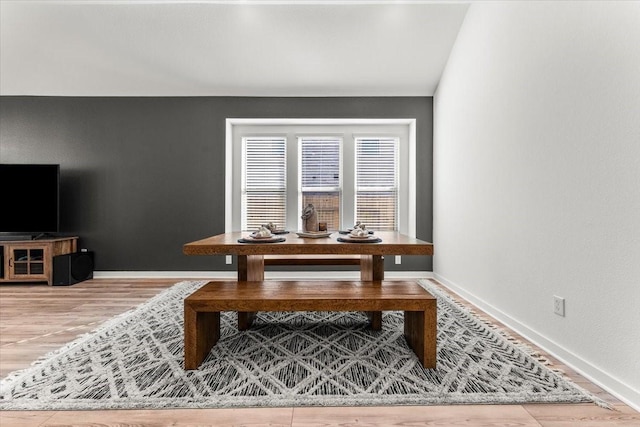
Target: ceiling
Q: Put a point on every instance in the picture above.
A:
(225, 48)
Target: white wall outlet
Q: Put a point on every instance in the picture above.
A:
(229, 259)
(398, 259)
(558, 305)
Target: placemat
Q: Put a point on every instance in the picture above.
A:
(371, 239)
(274, 240)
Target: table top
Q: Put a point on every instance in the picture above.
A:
(393, 243)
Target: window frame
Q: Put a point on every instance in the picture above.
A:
(236, 128)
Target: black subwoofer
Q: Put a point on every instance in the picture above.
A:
(72, 268)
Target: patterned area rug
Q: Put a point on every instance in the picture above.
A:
(287, 359)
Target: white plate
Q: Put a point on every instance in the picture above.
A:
(352, 237)
(349, 230)
(254, 236)
(367, 239)
(272, 239)
(279, 231)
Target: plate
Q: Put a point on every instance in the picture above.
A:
(348, 231)
(279, 232)
(273, 233)
(351, 239)
(313, 234)
(253, 236)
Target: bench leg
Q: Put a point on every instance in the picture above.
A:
(201, 333)
(420, 332)
(245, 319)
(372, 269)
(250, 268)
(375, 319)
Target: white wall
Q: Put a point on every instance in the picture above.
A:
(537, 177)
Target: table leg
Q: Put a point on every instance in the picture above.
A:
(372, 269)
(250, 268)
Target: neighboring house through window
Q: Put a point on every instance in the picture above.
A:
(349, 169)
(320, 177)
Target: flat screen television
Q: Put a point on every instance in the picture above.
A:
(30, 199)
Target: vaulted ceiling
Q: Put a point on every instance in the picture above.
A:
(225, 48)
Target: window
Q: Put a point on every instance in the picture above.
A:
(264, 189)
(320, 177)
(349, 169)
(377, 182)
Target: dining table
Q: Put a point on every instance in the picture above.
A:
(251, 252)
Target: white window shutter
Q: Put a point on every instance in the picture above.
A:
(377, 183)
(264, 197)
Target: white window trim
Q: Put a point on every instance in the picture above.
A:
(407, 222)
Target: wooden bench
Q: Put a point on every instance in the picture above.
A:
(202, 308)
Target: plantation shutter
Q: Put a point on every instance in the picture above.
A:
(377, 183)
(264, 197)
(320, 177)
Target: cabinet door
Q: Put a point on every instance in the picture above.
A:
(28, 262)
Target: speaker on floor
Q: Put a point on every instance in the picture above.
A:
(72, 268)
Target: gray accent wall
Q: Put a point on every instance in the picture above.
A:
(140, 177)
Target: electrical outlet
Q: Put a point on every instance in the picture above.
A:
(558, 305)
(398, 259)
(229, 259)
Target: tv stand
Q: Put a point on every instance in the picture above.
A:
(14, 238)
(32, 260)
(43, 236)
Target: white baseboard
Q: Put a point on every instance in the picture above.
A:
(276, 275)
(164, 275)
(613, 385)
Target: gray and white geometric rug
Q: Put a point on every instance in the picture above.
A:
(135, 360)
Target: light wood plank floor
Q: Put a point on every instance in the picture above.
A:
(35, 319)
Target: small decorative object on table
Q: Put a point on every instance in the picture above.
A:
(263, 235)
(360, 234)
(358, 229)
(309, 218)
(274, 229)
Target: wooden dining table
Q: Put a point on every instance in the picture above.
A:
(251, 256)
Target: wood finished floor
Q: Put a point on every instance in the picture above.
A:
(35, 319)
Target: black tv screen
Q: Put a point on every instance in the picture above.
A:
(30, 195)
